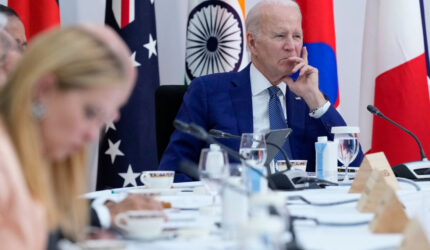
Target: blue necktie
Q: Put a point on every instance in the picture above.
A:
(277, 119)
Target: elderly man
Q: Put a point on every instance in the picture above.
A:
(262, 96)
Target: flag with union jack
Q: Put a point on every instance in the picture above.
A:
(128, 146)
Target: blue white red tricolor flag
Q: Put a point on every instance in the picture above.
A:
(394, 79)
(320, 41)
(128, 146)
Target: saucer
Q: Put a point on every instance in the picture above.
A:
(165, 235)
(103, 244)
(154, 191)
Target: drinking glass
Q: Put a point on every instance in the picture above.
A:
(253, 149)
(213, 166)
(348, 146)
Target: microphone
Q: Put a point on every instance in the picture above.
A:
(285, 180)
(416, 170)
(221, 134)
(200, 133)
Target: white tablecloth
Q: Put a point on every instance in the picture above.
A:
(198, 216)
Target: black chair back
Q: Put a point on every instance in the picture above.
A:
(168, 99)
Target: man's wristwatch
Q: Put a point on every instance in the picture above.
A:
(320, 111)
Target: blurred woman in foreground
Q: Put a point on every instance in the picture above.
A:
(68, 84)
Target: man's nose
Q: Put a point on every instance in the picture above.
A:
(288, 43)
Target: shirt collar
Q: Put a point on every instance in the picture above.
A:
(259, 82)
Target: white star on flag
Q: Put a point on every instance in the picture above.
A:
(152, 1)
(109, 125)
(113, 150)
(133, 60)
(129, 177)
(151, 46)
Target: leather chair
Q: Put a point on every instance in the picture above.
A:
(168, 99)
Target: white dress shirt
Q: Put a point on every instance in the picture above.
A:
(261, 97)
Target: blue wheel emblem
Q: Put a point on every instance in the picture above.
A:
(214, 39)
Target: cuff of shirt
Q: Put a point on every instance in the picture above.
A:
(102, 211)
(320, 111)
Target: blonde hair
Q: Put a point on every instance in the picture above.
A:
(79, 60)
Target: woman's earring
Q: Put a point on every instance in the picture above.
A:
(38, 110)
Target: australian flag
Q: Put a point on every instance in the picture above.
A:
(128, 146)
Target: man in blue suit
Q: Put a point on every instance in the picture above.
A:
(262, 95)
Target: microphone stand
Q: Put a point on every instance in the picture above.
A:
(221, 134)
(200, 133)
(288, 179)
(284, 180)
(417, 170)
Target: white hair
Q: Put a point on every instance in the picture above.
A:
(252, 22)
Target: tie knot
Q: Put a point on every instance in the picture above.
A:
(273, 91)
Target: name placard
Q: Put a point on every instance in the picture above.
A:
(390, 216)
(414, 237)
(374, 189)
(371, 162)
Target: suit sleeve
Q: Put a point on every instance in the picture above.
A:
(183, 146)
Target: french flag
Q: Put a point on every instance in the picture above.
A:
(394, 79)
(319, 39)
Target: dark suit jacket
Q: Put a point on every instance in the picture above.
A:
(224, 101)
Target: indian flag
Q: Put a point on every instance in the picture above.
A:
(215, 38)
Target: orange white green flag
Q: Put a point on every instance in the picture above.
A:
(215, 38)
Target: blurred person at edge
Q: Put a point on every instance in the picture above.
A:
(10, 51)
(67, 85)
(14, 26)
(12, 43)
(9, 55)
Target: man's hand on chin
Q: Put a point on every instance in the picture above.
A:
(306, 85)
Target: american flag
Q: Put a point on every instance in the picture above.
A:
(128, 146)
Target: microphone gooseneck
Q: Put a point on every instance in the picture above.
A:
(200, 133)
(221, 134)
(372, 109)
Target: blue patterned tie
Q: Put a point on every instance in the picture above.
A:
(277, 119)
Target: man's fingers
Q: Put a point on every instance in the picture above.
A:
(305, 54)
(307, 70)
(294, 59)
(298, 67)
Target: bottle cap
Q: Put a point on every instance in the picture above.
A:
(322, 139)
(215, 147)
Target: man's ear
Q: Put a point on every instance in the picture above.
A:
(250, 39)
(46, 85)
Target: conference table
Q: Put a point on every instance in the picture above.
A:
(192, 212)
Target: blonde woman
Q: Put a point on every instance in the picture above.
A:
(67, 85)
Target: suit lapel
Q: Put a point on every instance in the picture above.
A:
(296, 107)
(241, 98)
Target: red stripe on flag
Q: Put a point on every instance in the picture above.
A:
(125, 13)
(402, 94)
(318, 17)
(36, 15)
